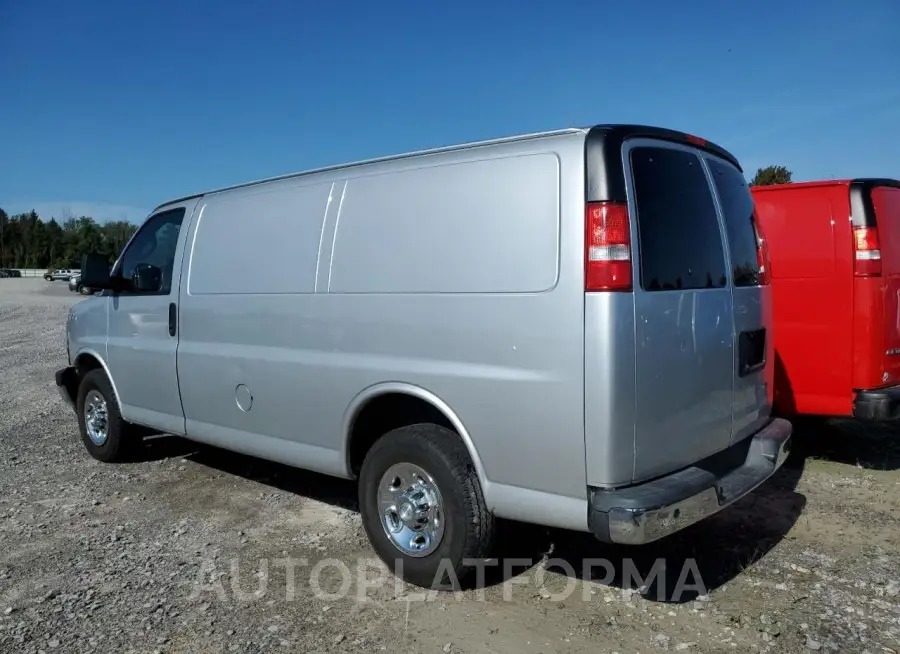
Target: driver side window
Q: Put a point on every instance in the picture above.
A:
(154, 244)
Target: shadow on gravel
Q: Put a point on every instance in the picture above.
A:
(677, 569)
(867, 445)
(726, 544)
(161, 446)
(322, 488)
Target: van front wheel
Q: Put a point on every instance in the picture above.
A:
(106, 435)
(422, 506)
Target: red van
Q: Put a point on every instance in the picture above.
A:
(834, 252)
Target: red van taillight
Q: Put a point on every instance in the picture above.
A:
(607, 247)
(762, 254)
(866, 252)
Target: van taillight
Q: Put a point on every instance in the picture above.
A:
(866, 252)
(607, 247)
(762, 254)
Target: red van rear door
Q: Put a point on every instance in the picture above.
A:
(886, 209)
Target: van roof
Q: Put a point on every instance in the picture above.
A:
(610, 134)
(858, 181)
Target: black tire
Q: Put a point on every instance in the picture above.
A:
(468, 525)
(121, 442)
(48, 278)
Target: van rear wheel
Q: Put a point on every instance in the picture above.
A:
(422, 506)
(105, 434)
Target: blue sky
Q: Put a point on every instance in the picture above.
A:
(110, 107)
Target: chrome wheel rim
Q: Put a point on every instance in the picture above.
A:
(96, 417)
(411, 508)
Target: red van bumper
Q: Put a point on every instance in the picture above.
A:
(877, 404)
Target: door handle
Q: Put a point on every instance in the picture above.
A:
(751, 351)
(173, 318)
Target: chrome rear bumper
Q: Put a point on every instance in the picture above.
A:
(647, 512)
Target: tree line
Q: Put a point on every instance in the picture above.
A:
(27, 241)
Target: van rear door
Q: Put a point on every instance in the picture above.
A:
(684, 326)
(884, 205)
(754, 351)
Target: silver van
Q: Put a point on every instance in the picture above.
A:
(570, 328)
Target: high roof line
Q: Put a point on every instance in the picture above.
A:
(393, 157)
(617, 133)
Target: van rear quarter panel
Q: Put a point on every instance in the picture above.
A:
(876, 306)
(458, 273)
(886, 206)
(807, 229)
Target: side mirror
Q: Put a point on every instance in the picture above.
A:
(95, 272)
(146, 278)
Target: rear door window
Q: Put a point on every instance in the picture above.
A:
(737, 211)
(679, 240)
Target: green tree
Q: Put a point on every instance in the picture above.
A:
(4, 223)
(55, 245)
(115, 236)
(27, 241)
(771, 175)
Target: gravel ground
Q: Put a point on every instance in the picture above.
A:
(193, 549)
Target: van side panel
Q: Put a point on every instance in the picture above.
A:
(502, 346)
(807, 230)
(409, 232)
(473, 292)
(249, 338)
(260, 240)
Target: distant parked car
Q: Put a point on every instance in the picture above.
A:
(76, 285)
(59, 274)
(4, 273)
(9, 272)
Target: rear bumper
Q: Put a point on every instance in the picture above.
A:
(877, 403)
(647, 512)
(67, 384)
